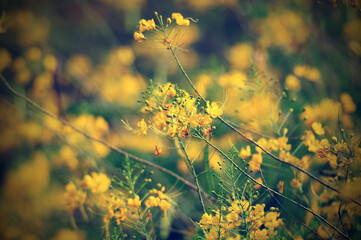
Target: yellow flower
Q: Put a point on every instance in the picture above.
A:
(180, 20)
(134, 203)
(245, 153)
(347, 103)
(280, 186)
(255, 163)
(97, 182)
(143, 128)
(317, 128)
(295, 183)
(138, 36)
(292, 83)
(213, 110)
(145, 25)
(206, 221)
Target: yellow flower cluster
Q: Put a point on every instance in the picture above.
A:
(116, 208)
(96, 183)
(159, 199)
(272, 144)
(144, 25)
(149, 25)
(73, 197)
(224, 225)
(176, 113)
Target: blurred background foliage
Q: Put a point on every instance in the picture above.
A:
(78, 60)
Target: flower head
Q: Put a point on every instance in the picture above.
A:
(180, 19)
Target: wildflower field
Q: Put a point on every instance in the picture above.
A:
(180, 119)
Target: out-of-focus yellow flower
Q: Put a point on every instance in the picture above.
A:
(280, 186)
(241, 55)
(79, 65)
(317, 128)
(69, 234)
(308, 72)
(5, 59)
(180, 19)
(142, 128)
(33, 54)
(245, 152)
(284, 28)
(73, 197)
(295, 183)
(292, 83)
(202, 84)
(68, 157)
(255, 163)
(50, 62)
(258, 186)
(97, 182)
(233, 81)
(326, 110)
(348, 104)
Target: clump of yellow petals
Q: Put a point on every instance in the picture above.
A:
(292, 83)
(146, 25)
(308, 72)
(159, 199)
(348, 104)
(96, 182)
(255, 163)
(245, 152)
(317, 128)
(180, 20)
(73, 197)
(142, 127)
(134, 203)
(175, 113)
(138, 36)
(213, 110)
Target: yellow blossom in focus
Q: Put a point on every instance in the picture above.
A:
(134, 203)
(213, 110)
(97, 182)
(317, 128)
(146, 25)
(348, 104)
(138, 36)
(180, 20)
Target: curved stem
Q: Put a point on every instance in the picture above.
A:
(193, 171)
(249, 139)
(113, 148)
(273, 191)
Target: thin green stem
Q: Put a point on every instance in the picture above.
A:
(101, 141)
(251, 140)
(193, 171)
(273, 191)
